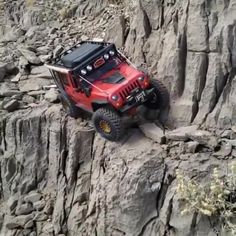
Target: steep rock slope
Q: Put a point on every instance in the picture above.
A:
(58, 178)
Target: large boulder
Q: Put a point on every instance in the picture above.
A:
(181, 134)
(8, 89)
(12, 202)
(116, 32)
(13, 222)
(7, 69)
(11, 105)
(40, 72)
(52, 95)
(152, 131)
(29, 55)
(204, 137)
(33, 197)
(24, 209)
(33, 84)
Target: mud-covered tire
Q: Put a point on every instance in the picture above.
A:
(161, 98)
(111, 119)
(69, 107)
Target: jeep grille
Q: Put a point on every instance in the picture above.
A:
(126, 91)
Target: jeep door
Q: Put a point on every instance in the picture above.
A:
(81, 93)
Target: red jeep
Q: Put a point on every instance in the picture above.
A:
(96, 77)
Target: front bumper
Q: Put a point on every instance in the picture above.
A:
(137, 98)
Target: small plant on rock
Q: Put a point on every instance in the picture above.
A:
(217, 198)
(30, 3)
(63, 13)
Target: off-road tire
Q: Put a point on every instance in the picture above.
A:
(161, 98)
(69, 107)
(113, 119)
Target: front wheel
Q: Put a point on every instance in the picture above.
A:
(108, 123)
(160, 99)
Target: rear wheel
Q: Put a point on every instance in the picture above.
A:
(160, 100)
(108, 123)
(69, 107)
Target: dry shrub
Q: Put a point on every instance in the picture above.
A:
(63, 13)
(30, 3)
(216, 198)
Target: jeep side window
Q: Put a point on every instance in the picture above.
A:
(61, 78)
(57, 78)
(64, 79)
(76, 82)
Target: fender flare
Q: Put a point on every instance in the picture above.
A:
(96, 104)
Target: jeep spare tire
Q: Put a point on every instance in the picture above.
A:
(108, 123)
(160, 99)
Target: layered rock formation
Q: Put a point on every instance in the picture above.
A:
(190, 45)
(57, 176)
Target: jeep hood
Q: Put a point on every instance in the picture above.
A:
(118, 78)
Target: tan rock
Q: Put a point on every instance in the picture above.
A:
(153, 132)
(181, 134)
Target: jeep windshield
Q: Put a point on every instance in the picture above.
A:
(103, 70)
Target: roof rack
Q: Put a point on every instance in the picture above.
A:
(58, 58)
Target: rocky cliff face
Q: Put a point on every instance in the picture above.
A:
(57, 176)
(190, 45)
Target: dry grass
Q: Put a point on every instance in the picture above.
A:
(216, 198)
(63, 13)
(30, 3)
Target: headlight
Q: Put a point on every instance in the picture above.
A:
(141, 78)
(89, 67)
(83, 72)
(115, 97)
(112, 53)
(106, 56)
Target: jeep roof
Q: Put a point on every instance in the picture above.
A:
(82, 54)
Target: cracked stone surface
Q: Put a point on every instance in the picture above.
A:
(189, 45)
(89, 186)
